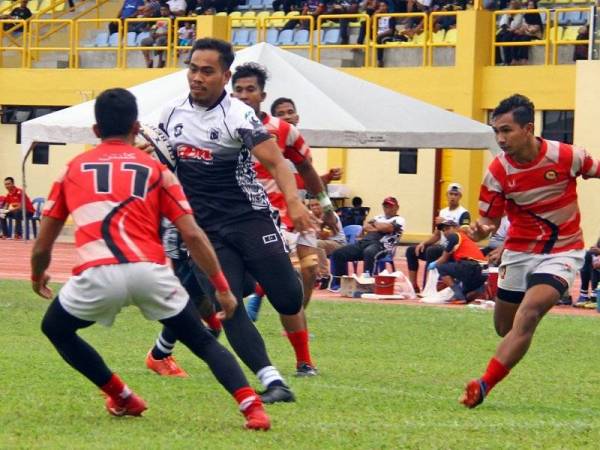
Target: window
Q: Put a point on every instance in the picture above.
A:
(558, 126)
(407, 160)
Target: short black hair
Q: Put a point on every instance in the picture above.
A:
(522, 109)
(357, 202)
(116, 111)
(11, 179)
(248, 70)
(280, 101)
(224, 48)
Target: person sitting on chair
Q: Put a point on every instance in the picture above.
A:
(459, 266)
(380, 233)
(12, 208)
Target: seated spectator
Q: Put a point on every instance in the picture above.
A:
(380, 233)
(130, 8)
(431, 249)
(367, 7)
(12, 208)
(312, 8)
(158, 38)
(355, 215)
(519, 28)
(21, 12)
(327, 242)
(343, 7)
(186, 34)
(386, 30)
(581, 50)
(589, 277)
(287, 5)
(459, 265)
(177, 7)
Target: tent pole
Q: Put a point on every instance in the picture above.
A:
(24, 189)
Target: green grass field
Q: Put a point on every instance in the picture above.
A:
(390, 378)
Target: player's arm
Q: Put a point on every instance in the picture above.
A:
(41, 254)
(203, 254)
(483, 227)
(269, 155)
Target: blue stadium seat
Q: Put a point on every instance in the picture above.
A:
(286, 37)
(569, 18)
(272, 34)
(301, 37)
(113, 40)
(268, 4)
(332, 36)
(252, 37)
(131, 39)
(101, 39)
(140, 37)
(256, 4)
(244, 7)
(241, 37)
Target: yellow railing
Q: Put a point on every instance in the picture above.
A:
(107, 48)
(148, 20)
(398, 44)
(431, 23)
(85, 12)
(558, 42)
(18, 25)
(35, 26)
(358, 17)
(311, 33)
(181, 49)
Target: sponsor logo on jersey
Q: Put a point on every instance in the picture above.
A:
(178, 129)
(551, 175)
(269, 238)
(189, 152)
(213, 134)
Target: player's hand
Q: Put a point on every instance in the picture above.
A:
(41, 288)
(419, 249)
(478, 231)
(330, 219)
(228, 304)
(495, 255)
(303, 220)
(144, 145)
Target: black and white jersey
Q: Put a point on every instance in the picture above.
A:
(214, 164)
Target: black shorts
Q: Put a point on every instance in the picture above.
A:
(255, 238)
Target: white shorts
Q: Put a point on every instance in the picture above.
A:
(99, 293)
(294, 239)
(516, 267)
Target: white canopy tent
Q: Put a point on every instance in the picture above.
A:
(337, 109)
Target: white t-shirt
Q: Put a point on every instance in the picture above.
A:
(177, 5)
(459, 215)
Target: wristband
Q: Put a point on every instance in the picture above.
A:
(35, 279)
(324, 201)
(219, 282)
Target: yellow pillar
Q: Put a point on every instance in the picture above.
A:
(336, 157)
(472, 54)
(212, 26)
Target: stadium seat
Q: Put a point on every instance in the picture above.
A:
(249, 19)
(140, 37)
(261, 16)
(33, 6)
(252, 36)
(286, 37)
(241, 37)
(419, 39)
(318, 37)
(234, 17)
(450, 37)
(268, 4)
(332, 36)
(256, 4)
(301, 37)
(271, 37)
(438, 36)
(351, 232)
(113, 40)
(101, 39)
(570, 34)
(38, 206)
(243, 7)
(221, 14)
(131, 39)
(568, 18)
(277, 22)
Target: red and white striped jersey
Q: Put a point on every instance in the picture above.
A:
(540, 197)
(116, 195)
(294, 149)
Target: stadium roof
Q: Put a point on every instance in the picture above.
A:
(336, 109)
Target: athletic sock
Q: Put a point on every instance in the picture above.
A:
(270, 376)
(299, 340)
(162, 347)
(213, 322)
(494, 373)
(247, 398)
(116, 389)
(258, 290)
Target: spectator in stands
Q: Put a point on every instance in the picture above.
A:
(343, 7)
(355, 215)
(327, 242)
(312, 8)
(158, 38)
(589, 277)
(130, 8)
(459, 265)
(367, 7)
(381, 233)
(13, 209)
(519, 28)
(581, 50)
(431, 249)
(386, 30)
(287, 5)
(21, 12)
(177, 7)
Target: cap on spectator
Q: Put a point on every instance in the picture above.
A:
(455, 187)
(390, 201)
(446, 223)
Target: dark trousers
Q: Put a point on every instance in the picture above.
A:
(589, 275)
(361, 251)
(468, 273)
(17, 215)
(61, 328)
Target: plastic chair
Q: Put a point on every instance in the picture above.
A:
(241, 37)
(286, 37)
(113, 40)
(249, 19)
(38, 206)
(235, 22)
(131, 39)
(261, 16)
(332, 36)
(268, 4)
(244, 7)
(570, 34)
(351, 232)
(450, 37)
(256, 4)
(252, 37)
(272, 34)
(278, 23)
(140, 37)
(301, 37)
(384, 257)
(438, 36)
(101, 39)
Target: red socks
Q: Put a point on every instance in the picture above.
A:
(247, 398)
(116, 389)
(494, 373)
(299, 340)
(213, 322)
(258, 290)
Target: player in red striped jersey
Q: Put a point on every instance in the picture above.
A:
(116, 195)
(534, 181)
(248, 83)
